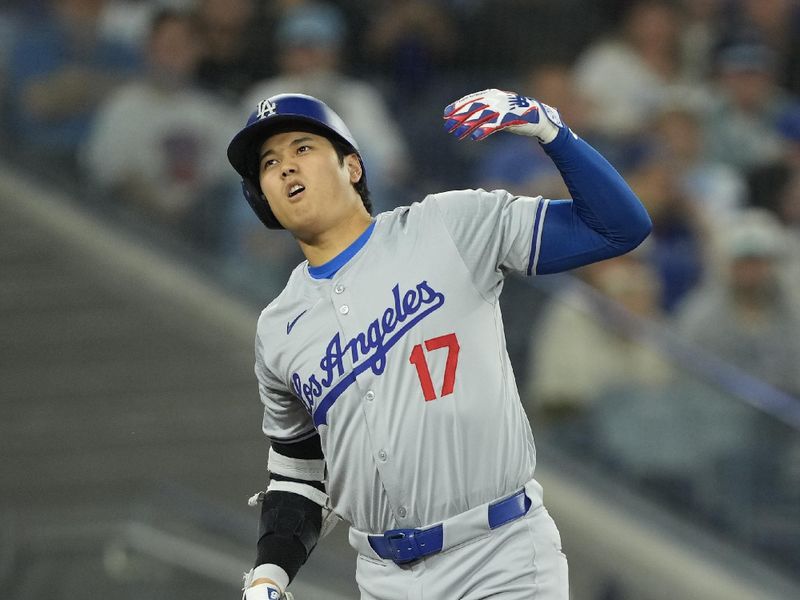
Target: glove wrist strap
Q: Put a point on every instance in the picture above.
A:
(274, 573)
(548, 132)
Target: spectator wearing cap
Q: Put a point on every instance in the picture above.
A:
(750, 316)
(777, 22)
(309, 39)
(743, 125)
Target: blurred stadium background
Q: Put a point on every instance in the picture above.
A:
(663, 387)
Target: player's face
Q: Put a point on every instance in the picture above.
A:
(308, 189)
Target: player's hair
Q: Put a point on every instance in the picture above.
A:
(360, 186)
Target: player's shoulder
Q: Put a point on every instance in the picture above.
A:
(443, 206)
(454, 203)
(465, 195)
(436, 200)
(407, 216)
(286, 301)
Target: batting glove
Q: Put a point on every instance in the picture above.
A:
(483, 113)
(265, 591)
(269, 580)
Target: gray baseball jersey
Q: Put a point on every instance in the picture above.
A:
(399, 361)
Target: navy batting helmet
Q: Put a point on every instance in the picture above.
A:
(283, 112)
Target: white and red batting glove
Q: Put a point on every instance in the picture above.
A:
(483, 113)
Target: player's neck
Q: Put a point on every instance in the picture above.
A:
(330, 243)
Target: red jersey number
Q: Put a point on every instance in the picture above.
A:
(450, 342)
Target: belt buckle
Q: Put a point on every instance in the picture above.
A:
(403, 543)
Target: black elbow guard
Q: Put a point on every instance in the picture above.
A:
(288, 530)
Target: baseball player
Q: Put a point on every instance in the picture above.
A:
(389, 399)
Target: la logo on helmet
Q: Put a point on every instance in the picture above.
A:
(266, 108)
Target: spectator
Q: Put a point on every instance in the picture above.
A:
(788, 211)
(742, 129)
(752, 320)
(586, 345)
(59, 73)
(236, 48)
(789, 206)
(127, 21)
(715, 188)
(410, 40)
(789, 128)
(676, 247)
(10, 28)
(629, 77)
(156, 143)
(777, 23)
(766, 183)
(309, 37)
(701, 30)
(502, 33)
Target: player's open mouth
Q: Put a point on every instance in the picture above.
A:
(296, 189)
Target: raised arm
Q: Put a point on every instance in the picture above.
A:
(603, 219)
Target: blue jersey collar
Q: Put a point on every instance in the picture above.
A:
(330, 268)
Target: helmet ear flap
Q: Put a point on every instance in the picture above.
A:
(258, 202)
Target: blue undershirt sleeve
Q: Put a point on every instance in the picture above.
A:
(603, 219)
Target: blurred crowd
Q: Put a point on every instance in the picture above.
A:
(695, 102)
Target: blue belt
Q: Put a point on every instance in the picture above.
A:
(407, 545)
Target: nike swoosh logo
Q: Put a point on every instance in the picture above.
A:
(290, 326)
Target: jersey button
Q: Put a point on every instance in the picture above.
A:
(344, 309)
(339, 289)
(383, 456)
(370, 395)
(401, 512)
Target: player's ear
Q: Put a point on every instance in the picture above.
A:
(354, 167)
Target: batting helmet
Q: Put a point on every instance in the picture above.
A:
(283, 112)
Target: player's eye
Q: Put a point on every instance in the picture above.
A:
(269, 163)
(303, 149)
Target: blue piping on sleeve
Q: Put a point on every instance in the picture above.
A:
(536, 238)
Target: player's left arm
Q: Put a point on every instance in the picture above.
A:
(604, 218)
(295, 515)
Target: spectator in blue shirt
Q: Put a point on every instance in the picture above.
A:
(57, 75)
